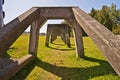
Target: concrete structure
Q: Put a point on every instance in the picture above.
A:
(106, 41)
(2, 15)
(54, 30)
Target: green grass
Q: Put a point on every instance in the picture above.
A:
(60, 62)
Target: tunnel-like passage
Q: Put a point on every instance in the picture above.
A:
(106, 41)
(54, 30)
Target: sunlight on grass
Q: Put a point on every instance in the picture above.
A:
(58, 62)
(19, 48)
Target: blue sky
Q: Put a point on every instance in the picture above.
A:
(14, 8)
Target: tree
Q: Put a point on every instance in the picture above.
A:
(94, 13)
(107, 15)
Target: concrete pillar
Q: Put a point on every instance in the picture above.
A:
(1, 14)
(47, 37)
(53, 37)
(63, 37)
(34, 37)
(79, 40)
(77, 31)
(68, 40)
(1, 62)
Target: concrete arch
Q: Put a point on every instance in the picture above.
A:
(106, 41)
(46, 13)
(80, 20)
(55, 30)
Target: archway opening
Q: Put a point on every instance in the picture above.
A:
(58, 44)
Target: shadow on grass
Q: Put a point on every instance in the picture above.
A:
(58, 44)
(68, 49)
(25, 71)
(62, 44)
(75, 73)
(68, 73)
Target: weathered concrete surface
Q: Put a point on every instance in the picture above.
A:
(18, 25)
(77, 31)
(8, 35)
(34, 35)
(11, 66)
(104, 39)
(55, 30)
(10, 32)
(15, 28)
(56, 12)
(67, 14)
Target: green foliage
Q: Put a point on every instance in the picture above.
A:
(108, 16)
(58, 62)
(116, 30)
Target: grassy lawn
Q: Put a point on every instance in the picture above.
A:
(60, 62)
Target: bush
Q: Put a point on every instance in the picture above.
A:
(116, 30)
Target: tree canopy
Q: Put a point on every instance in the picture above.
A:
(108, 16)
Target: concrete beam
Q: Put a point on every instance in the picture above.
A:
(55, 12)
(10, 32)
(14, 66)
(104, 39)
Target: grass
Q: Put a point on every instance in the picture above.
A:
(58, 62)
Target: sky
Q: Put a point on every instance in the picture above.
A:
(14, 8)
